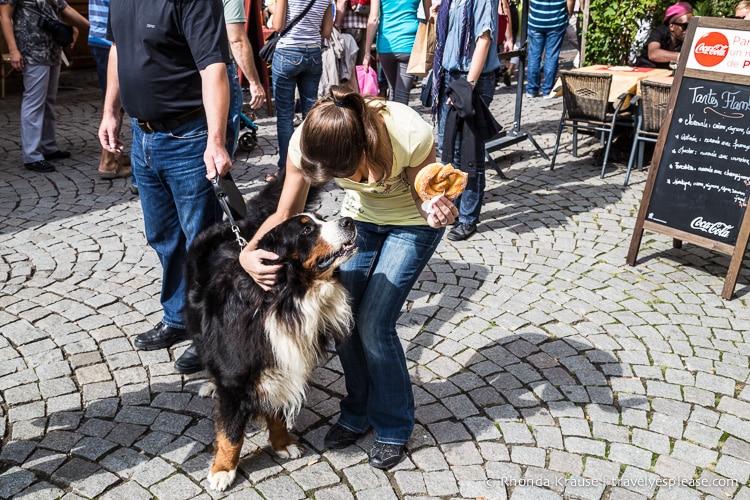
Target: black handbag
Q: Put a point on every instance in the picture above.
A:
(60, 32)
(266, 52)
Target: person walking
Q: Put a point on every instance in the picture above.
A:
(547, 23)
(173, 84)
(373, 149)
(297, 62)
(396, 24)
(465, 50)
(242, 56)
(37, 56)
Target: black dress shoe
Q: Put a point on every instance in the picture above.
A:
(461, 231)
(384, 456)
(39, 166)
(189, 362)
(339, 437)
(159, 337)
(57, 155)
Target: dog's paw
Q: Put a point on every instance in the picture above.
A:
(207, 390)
(221, 480)
(290, 451)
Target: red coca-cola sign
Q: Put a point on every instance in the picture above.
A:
(711, 49)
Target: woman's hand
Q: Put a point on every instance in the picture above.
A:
(444, 213)
(252, 261)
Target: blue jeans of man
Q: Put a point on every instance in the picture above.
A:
(178, 202)
(549, 42)
(293, 68)
(379, 278)
(235, 109)
(100, 54)
(469, 204)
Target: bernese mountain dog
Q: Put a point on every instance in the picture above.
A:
(260, 347)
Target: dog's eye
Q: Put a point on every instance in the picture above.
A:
(307, 229)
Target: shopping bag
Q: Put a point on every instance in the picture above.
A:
(367, 80)
(423, 52)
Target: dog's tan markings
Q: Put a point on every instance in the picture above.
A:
(321, 249)
(224, 468)
(227, 454)
(281, 442)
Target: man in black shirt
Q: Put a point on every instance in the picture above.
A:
(665, 42)
(167, 69)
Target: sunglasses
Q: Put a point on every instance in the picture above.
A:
(684, 26)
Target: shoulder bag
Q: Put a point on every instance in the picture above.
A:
(266, 52)
(60, 32)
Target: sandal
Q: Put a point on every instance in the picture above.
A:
(270, 177)
(120, 172)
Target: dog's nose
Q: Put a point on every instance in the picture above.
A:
(346, 222)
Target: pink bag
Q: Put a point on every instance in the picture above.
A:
(368, 80)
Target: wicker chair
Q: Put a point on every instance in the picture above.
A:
(652, 109)
(586, 106)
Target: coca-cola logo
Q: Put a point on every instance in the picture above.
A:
(720, 229)
(711, 49)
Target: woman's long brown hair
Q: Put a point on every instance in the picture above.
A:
(339, 132)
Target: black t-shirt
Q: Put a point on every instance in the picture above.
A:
(161, 47)
(663, 36)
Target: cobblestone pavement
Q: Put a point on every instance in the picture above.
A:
(544, 367)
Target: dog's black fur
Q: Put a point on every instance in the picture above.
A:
(260, 347)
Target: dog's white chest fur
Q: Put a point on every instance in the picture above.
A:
(296, 346)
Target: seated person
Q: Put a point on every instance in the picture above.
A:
(665, 42)
(742, 11)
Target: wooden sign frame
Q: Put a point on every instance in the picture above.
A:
(737, 250)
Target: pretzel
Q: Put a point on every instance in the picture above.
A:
(436, 179)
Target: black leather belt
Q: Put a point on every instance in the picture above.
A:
(172, 123)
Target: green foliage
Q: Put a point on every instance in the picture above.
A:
(611, 37)
(714, 8)
(612, 29)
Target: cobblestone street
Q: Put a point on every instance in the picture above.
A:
(544, 367)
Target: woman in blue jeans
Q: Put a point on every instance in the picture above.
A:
(297, 62)
(373, 149)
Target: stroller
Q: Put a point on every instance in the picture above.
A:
(248, 137)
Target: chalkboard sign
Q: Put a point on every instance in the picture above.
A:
(703, 182)
(699, 182)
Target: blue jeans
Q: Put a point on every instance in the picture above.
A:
(235, 109)
(469, 204)
(101, 59)
(548, 41)
(293, 68)
(178, 202)
(379, 278)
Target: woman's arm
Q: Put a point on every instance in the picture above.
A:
(444, 212)
(292, 202)
(279, 15)
(372, 27)
(479, 56)
(326, 26)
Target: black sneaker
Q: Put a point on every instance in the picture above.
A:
(40, 166)
(339, 437)
(57, 155)
(461, 231)
(384, 456)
